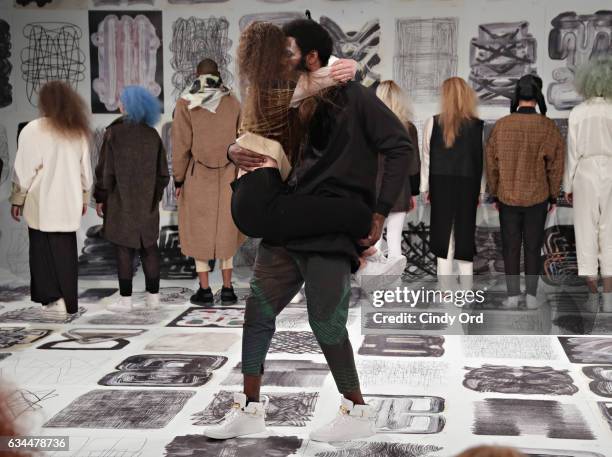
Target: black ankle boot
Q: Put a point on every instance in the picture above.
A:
(202, 297)
(228, 296)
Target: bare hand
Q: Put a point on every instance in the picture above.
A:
(16, 211)
(100, 209)
(177, 192)
(378, 222)
(343, 70)
(245, 159)
(84, 209)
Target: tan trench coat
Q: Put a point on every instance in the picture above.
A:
(199, 159)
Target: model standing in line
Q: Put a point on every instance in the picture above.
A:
(588, 178)
(51, 184)
(525, 155)
(451, 175)
(131, 176)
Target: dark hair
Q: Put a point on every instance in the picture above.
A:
(529, 88)
(208, 67)
(310, 36)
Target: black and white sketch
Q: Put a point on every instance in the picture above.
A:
(407, 414)
(292, 409)
(488, 258)
(96, 294)
(104, 446)
(285, 373)
(199, 445)
(21, 336)
(194, 39)
(517, 417)
(381, 449)
(94, 339)
(606, 409)
(295, 343)
(22, 401)
(360, 45)
(134, 317)
(601, 383)
(523, 347)
(403, 345)
(559, 256)
(98, 257)
(169, 198)
(210, 317)
(519, 380)
(5, 158)
(375, 374)
(6, 90)
(576, 39)
(587, 349)
(415, 245)
(131, 409)
(52, 52)
(9, 293)
(168, 295)
(276, 18)
(123, 40)
(425, 55)
(174, 264)
(97, 139)
(500, 54)
(36, 314)
(193, 342)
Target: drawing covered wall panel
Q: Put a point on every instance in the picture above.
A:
(125, 49)
(21, 336)
(408, 414)
(131, 409)
(285, 373)
(601, 380)
(199, 445)
(576, 39)
(524, 380)
(587, 349)
(6, 89)
(52, 52)
(425, 55)
(499, 56)
(174, 264)
(194, 39)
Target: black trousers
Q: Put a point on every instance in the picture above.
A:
(522, 225)
(54, 269)
(150, 259)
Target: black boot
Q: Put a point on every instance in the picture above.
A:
(202, 297)
(228, 296)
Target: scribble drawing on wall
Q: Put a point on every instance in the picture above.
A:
(559, 256)
(601, 383)
(403, 345)
(132, 409)
(517, 417)
(169, 198)
(576, 39)
(508, 347)
(276, 18)
(587, 349)
(284, 409)
(6, 90)
(96, 145)
(21, 336)
(25, 401)
(606, 409)
(295, 343)
(103, 447)
(421, 261)
(210, 317)
(174, 265)
(407, 413)
(199, 445)
(194, 39)
(425, 55)
(499, 56)
(375, 374)
(285, 373)
(94, 339)
(360, 45)
(382, 449)
(164, 370)
(52, 52)
(98, 256)
(519, 380)
(38, 315)
(124, 50)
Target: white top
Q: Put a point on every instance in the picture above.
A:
(52, 178)
(425, 151)
(589, 134)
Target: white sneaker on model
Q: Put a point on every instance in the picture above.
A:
(124, 304)
(57, 307)
(352, 422)
(152, 300)
(607, 302)
(531, 302)
(299, 298)
(511, 302)
(242, 419)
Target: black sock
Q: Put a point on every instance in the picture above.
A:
(125, 287)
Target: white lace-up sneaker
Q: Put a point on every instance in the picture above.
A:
(607, 302)
(57, 307)
(123, 305)
(352, 422)
(242, 419)
(152, 300)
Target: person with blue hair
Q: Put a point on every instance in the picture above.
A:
(131, 176)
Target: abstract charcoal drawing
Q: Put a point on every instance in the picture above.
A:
(488, 258)
(94, 339)
(194, 39)
(403, 346)
(6, 90)
(407, 414)
(210, 317)
(193, 342)
(523, 347)
(295, 343)
(381, 449)
(375, 374)
(36, 314)
(138, 317)
(5, 167)
(98, 257)
(587, 349)
(169, 198)
(125, 49)
(199, 445)
(21, 336)
(559, 256)
(601, 377)
(606, 410)
(519, 380)
(103, 447)
(425, 55)
(576, 39)
(25, 401)
(119, 409)
(557, 453)
(164, 370)
(284, 409)
(174, 265)
(360, 45)
(276, 18)
(52, 52)
(499, 56)
(415, 245)
(517, 417)
(285, 373)
(97, 139)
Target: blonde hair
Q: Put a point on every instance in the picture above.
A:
(459, 103)
(394, 97)
(491, 451)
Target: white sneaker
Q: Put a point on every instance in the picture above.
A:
(380, 272)
(591, 305)
(352, 422)
(531, 302)
(57, 307)
(152, 300)
(299, 298)
(242, 419)
(607, 302)
(511, 302)
(124, 304)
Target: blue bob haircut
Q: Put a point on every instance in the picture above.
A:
(140, 105)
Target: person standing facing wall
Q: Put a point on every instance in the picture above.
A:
(206, 122)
